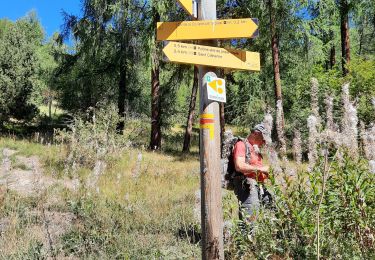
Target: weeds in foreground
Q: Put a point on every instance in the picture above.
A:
(336, 224)
(140, 204)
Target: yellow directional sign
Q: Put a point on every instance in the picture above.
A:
(207, 29)
(187, 5)
(211, 56)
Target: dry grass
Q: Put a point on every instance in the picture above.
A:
(138, 209)
(142, 206)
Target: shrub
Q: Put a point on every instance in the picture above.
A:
(90, 141)
(328, 212)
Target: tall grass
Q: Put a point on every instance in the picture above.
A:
(328, 210)
(140, 205)
(135, 204)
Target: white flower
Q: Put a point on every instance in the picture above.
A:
(349, 123)
(372, 166)
(268, 123)
(315, 98)
(297, 147)
(313, 138)
(280, 128)
(329, 111)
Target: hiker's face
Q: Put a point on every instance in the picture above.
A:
(256, 138)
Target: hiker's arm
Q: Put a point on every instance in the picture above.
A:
(241, 166)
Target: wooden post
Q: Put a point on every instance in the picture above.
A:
(211, 203)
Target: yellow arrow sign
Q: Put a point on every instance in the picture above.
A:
(208, 29)
(187, 5)
(212, 56)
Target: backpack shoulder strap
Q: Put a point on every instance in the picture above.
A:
(247, 147)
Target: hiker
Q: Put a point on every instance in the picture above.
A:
(250, 174)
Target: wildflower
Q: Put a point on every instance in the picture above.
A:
(315, 98)
(368, 139)
(272, 154)
(331, 137)
(137, 170)
(297, 148)
(274, 161)
(280, 127)
(291, 171)
(340, 158)
(313, 137)
(197, 206)
(268, 123)
(99, 168)
(329, 111)
(349, 123)
(372, 166)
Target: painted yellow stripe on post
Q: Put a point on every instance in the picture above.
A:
(208, 116)
(211, 128)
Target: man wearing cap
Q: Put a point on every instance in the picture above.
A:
(248, 186)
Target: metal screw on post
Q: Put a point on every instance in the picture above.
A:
(211, 202)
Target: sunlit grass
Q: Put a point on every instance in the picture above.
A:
(55, 110)
(142, 200)
(139, 208)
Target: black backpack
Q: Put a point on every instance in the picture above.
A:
(228, 169)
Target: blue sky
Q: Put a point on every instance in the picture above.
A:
(49, 11)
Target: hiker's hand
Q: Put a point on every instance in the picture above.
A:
(264, 169)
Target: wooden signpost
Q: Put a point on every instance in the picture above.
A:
(211, 89)
(207, 29)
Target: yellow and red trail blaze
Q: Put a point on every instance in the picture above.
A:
(207, 121)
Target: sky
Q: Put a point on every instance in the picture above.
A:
(49, 11)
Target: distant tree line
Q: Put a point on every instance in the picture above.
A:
(114, 58)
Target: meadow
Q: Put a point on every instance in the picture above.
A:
(85, 191)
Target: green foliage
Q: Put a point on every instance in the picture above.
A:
(18, 45)
(346, 224)
(93, 138)
(363, 87)
(106, 64)
(126, 229)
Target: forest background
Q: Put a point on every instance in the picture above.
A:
(114, 59)
(107, 64)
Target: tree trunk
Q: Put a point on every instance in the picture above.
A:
(332, 52)
(50, 108)
(345, 44)
(190, 119)
(155, 142)
(275, 53)
(277, 80)
(121, 97)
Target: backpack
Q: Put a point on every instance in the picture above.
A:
(228, 170)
